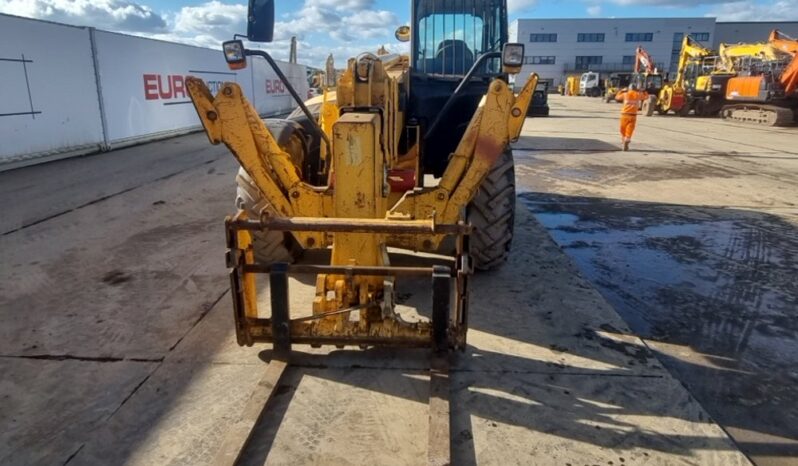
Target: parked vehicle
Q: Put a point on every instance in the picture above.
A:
(572, 85)
(590, 84)
(764, 89)
(540, 101)
(614, 84)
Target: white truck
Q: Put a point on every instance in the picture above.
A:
(590, 84)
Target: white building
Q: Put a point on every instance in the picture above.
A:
(556, 48)
(751, 31)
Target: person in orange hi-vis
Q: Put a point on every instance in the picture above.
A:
(632, 99)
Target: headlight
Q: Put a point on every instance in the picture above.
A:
(513, 55)
(234, 54)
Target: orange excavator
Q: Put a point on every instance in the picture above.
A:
(647, 78)
(765, 88)
(788, 45)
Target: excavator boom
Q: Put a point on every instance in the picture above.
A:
(643, 62)
(691, 50)
(788, 45)
(789, 77)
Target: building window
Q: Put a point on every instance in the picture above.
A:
(584, 62)
(700, 36)
(543, 38)
(639, 36)
(676, 50)
(590, 37)
(628, 59)
(540, 60)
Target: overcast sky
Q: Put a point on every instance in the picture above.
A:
(347, 27)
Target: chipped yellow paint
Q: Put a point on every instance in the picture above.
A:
(521, 105)
(364, 149)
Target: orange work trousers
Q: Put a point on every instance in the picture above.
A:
(628, 123)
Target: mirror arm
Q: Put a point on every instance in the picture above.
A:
(292, 91)
(482, 58)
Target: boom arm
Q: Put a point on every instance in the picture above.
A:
(231, 119)
(783, 42)
(730, 54)
(788, 45)
(643, 58)
(691, 49)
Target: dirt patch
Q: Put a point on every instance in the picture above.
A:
(116, 277)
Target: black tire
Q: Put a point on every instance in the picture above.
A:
(276, 246)
(268, 246)
(649, 106)
(492, 213)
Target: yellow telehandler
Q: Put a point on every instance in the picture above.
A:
(347, 171)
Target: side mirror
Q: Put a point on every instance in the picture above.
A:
(512, 58)
(260, 21)
(402, 33)
(234, 54)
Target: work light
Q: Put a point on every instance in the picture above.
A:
(512, 57)
(234, 54)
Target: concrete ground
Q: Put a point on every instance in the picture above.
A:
(692, 238)
(116, 341)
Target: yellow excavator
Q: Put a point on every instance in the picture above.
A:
(698, 85)
(349, 172)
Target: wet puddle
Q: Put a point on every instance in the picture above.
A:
(714, 291)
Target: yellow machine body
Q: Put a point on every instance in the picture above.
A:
(672, 96)
(572, 85)
(357, 213)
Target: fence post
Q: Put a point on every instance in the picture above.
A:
(98, 84)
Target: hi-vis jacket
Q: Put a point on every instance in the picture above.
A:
(631, 101)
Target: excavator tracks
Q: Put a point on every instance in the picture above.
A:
(766, 115)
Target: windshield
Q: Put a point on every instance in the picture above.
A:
(654, 81)
(450, 35)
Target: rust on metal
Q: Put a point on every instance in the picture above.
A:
(345, 270)
(352, 225)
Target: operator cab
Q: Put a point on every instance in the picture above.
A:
(447, 38)
(450, 35)
(651, 83)
(620, 80)
(450, 40)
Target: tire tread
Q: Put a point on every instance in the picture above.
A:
(492, 213)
